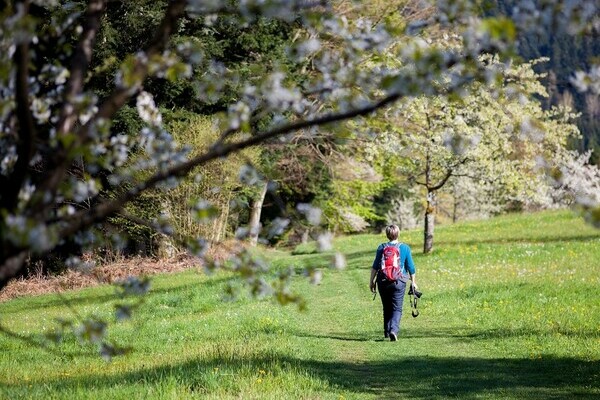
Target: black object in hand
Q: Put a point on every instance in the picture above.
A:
(414, 292)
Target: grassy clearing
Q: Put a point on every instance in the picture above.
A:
(511, 310)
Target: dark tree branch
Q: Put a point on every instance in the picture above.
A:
(121, 95)
(449, 173)
(14, 259)
(442, 182)
(26, 131)
(80, 63)
(82, 56)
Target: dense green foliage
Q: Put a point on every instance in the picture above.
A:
(510, 311)
(249, 51)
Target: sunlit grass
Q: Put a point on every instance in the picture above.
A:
(511, 310)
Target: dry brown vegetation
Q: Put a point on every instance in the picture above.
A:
(109, 273)
(116, 270)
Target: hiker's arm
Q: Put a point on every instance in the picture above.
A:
(414, 282)
(374, 267)
(372, 280)
(410, 267)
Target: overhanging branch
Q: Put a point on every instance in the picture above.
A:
(84, 219)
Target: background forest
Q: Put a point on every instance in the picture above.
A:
(564, 54)
(357, 185)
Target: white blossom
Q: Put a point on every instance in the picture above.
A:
(311, 213)
(339, 261)
(86, 115)
(580, 180)
(40, 109)
(147, 110)
(532, 130)
(8, 160)
(248, 175)
(315, 276)
(84, 190)
(39, 238)
(308, 47)
(587, 81)
(355, 222)
(325, 241)
(26, 191)
(277, 227)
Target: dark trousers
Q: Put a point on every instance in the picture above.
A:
(392, 297)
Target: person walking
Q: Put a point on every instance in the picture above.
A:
(392, 267)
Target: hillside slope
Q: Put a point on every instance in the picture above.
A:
(511, 309)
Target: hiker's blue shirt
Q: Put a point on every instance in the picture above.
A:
(406, 261)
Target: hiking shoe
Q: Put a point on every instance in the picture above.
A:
(393, 337)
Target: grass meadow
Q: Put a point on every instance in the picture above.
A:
(511, 310)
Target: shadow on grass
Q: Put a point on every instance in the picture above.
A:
(459, 334)
(489, 334)
(509, 240)
(79, 299)
(367, 337)
(422, 378)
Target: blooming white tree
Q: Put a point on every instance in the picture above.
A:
(496, 134)
(577, 183)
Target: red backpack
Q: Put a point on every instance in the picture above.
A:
(390, 262)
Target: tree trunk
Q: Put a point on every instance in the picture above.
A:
(10, 267)
(222, 228)
(254, 224)
(305, 236)
(429, 223)
(454, 205)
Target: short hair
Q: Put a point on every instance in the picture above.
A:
(392, 231)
